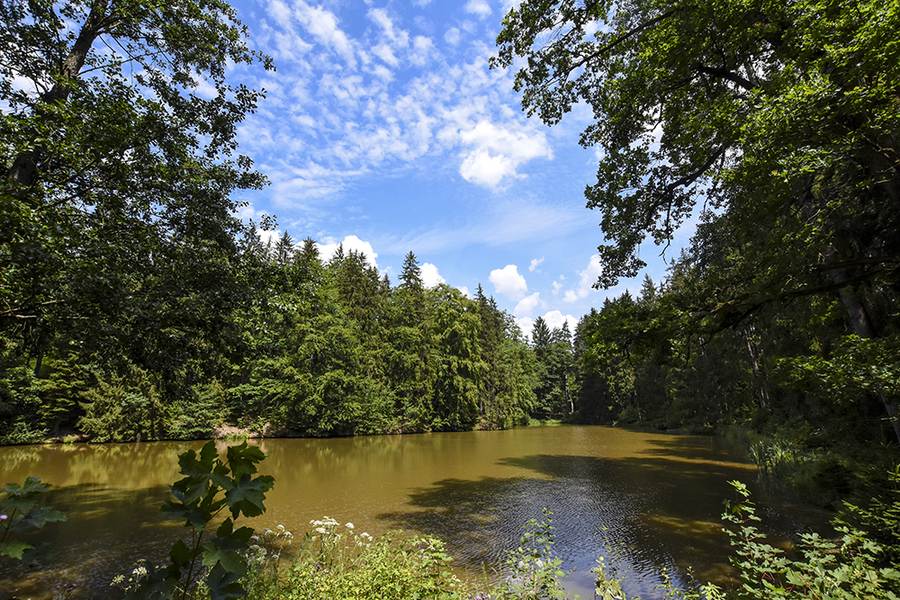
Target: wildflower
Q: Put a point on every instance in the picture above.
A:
(4, 517)
(321, 530)
(349, 525)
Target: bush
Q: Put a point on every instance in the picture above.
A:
(333, 561)
(123, 409)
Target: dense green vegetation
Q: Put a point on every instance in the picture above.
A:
(774, 128)
(135, 305)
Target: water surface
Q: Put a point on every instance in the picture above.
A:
(647, 501)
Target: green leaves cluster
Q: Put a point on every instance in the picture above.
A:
(769, 130)
(534, 569)
(22, 509)
(210, 486)
(853, 566)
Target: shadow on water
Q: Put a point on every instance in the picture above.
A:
(644, 513)
(645, 501)
(95, 543)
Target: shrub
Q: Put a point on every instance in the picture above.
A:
(210, 485)
(122, 409)
(22, 509)
(333, 561)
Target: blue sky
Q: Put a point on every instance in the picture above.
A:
(384, 129)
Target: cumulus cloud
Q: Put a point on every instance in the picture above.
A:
(555, 319)
(525, 324)
(586, 279)
(509, 282)
(465, 291)
(495, 152)
(526, 306)
(452, 36)
(534, 264)
(431, 277)
(350, 242)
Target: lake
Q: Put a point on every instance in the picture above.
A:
(647, 501)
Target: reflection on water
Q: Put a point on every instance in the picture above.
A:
(646, 501)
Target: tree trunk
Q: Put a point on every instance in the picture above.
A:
(759, 375)
(24, 170)
(863, 325)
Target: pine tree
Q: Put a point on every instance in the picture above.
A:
(411, 276)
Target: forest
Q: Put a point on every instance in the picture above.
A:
(136, 304)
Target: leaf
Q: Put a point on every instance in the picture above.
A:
(41, 515)
(248, 496)
(242, 459)
(180, 554)
(31, 487)
(194, 516)
(224, 585)
(225, 549)
(14, 549)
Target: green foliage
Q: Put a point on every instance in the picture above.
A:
(535, 571)
(209, 486)
(334, 561)
(772, 128)
(853, 566)
(123, 408)
(21, 510)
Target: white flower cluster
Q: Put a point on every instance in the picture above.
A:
(269, 544)
(133, 580)
(331, 531)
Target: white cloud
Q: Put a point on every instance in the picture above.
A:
(525, 324)
(350, 105)
(486, 169)
(534, 264)
(555, 320)
(384, 52)
(269, 236)
(509, 282)
(431, 277)
(452, 36)
(422, 48)
(396, 36)
(586, 279)
(465, 291)
(322, 24)
(526, 306)
(350, 242)
(494, 152)
(478, 7)
(557, 286)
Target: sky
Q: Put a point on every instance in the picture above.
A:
(385, 130)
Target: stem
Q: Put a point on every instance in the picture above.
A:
(190, 573)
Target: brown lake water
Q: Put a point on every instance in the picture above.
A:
(646, 501)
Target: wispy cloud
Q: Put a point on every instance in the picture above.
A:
(503, 222)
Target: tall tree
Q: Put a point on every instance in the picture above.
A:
(779, 117)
